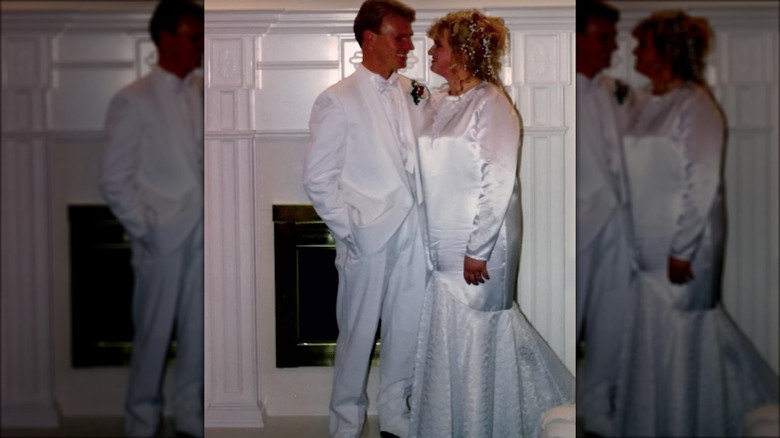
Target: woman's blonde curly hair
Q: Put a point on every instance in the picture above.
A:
(680, 40)
(477, 41)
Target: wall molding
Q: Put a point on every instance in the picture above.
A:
(92, 21)
(28, 387)
(49, 57)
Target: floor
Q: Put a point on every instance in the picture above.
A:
(275, 427)
(292, 427)
(85, 427)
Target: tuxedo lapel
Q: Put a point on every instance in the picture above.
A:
(180, 136)
(407, 131)
(600, 92)
(410, 138)
(377, 115)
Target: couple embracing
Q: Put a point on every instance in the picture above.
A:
(420, 191)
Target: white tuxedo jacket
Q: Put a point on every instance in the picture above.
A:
(152, 166)
(601, 186)
(354, 173)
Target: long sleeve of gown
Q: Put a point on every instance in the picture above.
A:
(322, 169)
(119, 165)
(702, 136)
(498, 139)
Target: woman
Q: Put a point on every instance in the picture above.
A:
(481, 369)
(686, 370)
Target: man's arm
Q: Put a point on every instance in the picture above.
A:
(322, 169)
(119, 166)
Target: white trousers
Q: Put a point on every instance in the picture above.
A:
(167, 299)
(386, 286)
(604, 297)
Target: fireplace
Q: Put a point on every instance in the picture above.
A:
(306, 288)
(101, 284)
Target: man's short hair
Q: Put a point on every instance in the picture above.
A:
(372, 12)
(594, 8)
(167, 15)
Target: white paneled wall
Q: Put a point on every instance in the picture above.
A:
(744, 75)
(27, 365)
(264, 68)
(60, 67)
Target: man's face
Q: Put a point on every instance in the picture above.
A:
(186, 45)
(596, 45)
(393, 42)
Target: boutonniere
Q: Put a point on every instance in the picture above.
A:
(419, 92)
(621, 91)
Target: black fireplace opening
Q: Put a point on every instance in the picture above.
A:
(101, 289)
(306, 289)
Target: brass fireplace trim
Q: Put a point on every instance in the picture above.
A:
(298, 229)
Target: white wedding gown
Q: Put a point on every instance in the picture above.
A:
(686, 369)
(481, 369)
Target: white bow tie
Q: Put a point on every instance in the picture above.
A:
(383, 85)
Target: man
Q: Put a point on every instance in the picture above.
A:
(604, 251)
(152, 178)
(361, 177)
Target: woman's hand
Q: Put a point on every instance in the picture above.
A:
(679, 271)
(475, 271)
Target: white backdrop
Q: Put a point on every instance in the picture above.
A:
(61, 63)
(264, 68)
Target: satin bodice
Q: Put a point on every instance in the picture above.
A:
(468, 157)
(674, 151)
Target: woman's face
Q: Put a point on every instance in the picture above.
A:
(647, 61)
(441, 55)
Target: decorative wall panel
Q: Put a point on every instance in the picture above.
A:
(750, 108)
(91, 47)
(227, 111)
(541, 106)
(231, 343)
(543, 57)
(749, 274)
(23, 61)
(292, 47)
(280, 104)
(542, 261)
(228, 59)
(60, 69)
(68, 108)
(746, 57)
(24, 83)
(25, 232)
(28, 375)
(145, 56)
